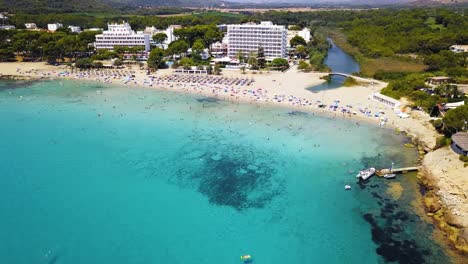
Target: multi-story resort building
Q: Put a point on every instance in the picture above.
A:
(247, 38)
(121, 35)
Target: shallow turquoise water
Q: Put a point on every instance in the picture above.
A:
(101, 174)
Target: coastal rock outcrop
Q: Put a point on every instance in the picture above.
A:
(445, 181)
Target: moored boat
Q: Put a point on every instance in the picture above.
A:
(366, 174)
(390, 176)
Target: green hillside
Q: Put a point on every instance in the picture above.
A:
(44, 6)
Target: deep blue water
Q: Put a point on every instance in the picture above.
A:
(338, 61)
(103, 174)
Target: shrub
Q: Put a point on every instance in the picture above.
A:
(442, 142)
(463, 158)
(437, 123)
(350, 81)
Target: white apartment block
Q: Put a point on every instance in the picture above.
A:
(30, 26)
(74, 29)
(54, 26)
(304, 33)
(121, 35)
(169, 33)
(249, 37)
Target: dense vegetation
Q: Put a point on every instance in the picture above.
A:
(41, 45)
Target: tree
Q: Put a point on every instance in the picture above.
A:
(209, 69)
(261, 57)
(252, 61)
(6, 55)
(280, 63)
(84, 63)
(456, 120)
(87, 37)
(117, 62)
(447, 91)
(155, 58)
(217, 69)
(198, 46)
(211, 36)
(159, 38)
(304, 66)
(242, 69)
(301, 51)
(240, 56)
(187, 63)
(297, 40)
(295, 28)
(178, 47)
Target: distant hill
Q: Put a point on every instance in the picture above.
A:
(439, 2)
(155, 3)
(44, 6)
(68, 6)
(351, 2)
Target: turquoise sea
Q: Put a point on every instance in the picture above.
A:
(106, 174)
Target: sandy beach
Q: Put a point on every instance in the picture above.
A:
(441, 167)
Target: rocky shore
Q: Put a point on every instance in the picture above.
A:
(444, 183)
(444, 180)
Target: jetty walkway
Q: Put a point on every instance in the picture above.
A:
(405, 170)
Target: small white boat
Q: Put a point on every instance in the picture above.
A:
(347, 187)
(390, 176)
(366, 174)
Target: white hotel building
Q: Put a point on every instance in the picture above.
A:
(249, 37)
(121, 35)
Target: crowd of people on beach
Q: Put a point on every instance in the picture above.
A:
(229, 88)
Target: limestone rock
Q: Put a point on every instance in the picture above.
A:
(431, 203)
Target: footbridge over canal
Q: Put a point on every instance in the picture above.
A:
(346, 75)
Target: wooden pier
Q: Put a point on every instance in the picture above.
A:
(382, 172)
(405, 170)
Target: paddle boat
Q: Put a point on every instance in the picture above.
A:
(246, 258)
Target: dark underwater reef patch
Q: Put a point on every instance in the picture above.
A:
(11, 85)
(208, 100)
(297, 113)
(237, 176)
(387, 229)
